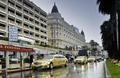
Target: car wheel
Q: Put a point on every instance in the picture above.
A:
(66, 64)
(51, 66)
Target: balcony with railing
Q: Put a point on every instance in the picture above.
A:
(36, 36)
(11, 21)
(2, 18)
(19, 24)
(2, 27)
(19, 9)
(26, 27)
(31, 27)
(19, 32)
(28, 7)
(26, 20)
(11, 13)
(2, 9)
(19, 1)
(37, 31)
(11, 5)
(3, 1)
(19, 17)
(31, 34)
(26, 34)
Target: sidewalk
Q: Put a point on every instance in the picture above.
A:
(4, 71)
(107, 74)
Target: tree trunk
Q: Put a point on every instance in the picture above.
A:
(118, 26)
(118, 32)
(113, 27)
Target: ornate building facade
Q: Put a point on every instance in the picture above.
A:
(60, 33)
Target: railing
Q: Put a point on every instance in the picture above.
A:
(3, 1)
(2, 9)
(11, 5)
(36, 30)
(19, 32)
(11, 21)
(2, 27)
(19, 9)
(26, 34)
(20, 17)
(2, 18)
(28, 7)
(19, 24)
(11, 13)
(31, 29)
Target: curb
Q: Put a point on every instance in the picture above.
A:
(107, 74)
(14, 70)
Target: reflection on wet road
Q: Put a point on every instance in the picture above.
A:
(89, 70)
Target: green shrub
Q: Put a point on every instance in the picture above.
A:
(27, 60)
(4, 38)
(29, 43)
(113, 69)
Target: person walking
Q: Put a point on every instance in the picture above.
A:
(72, 59)
(31, 60)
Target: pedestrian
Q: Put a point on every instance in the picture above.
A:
(72, 59)
(31, 60)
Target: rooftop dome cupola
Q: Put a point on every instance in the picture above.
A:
(82, 32)
(54, 9)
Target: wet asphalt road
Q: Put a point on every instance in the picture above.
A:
(89, 70)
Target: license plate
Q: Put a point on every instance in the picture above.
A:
(78, 61)
(36, 66)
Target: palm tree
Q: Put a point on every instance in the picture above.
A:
(85, 48)
(94, 46)
(107, 38)
(109, 7)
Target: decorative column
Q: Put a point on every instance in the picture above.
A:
(7, 59)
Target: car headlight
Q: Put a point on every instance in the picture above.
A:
(82, 59)
(46, 62)
(32, 63)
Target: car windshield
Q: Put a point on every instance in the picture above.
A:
(48, 57)
(81, 57)
(92, 57)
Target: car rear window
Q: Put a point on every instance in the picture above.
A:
(48, 57)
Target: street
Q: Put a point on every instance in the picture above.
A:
(89, 70)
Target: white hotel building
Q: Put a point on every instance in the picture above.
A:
(29, 18)
(60, 33)
(35, 26)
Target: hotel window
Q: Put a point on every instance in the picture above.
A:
(52, 36)
(2, 26)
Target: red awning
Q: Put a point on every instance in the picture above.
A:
(15, 48)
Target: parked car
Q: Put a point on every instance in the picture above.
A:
(100, 58)
(50, 61)
(92, 58)
(81, 59)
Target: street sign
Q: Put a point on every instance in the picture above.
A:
(13, 33)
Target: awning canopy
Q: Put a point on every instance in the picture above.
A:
(15, 48)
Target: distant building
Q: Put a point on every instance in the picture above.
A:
(29, 18)
(60, 33)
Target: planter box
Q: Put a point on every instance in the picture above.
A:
(14, 65)
(0, 66)
(26, 64)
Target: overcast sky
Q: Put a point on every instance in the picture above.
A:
(83, 14)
